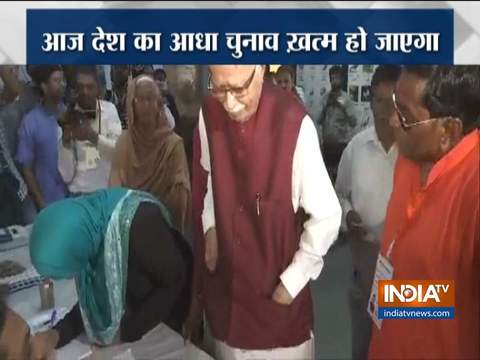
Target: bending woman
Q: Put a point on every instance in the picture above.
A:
(131, 267)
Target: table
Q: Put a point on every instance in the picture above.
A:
(160, 343)
(27, 302)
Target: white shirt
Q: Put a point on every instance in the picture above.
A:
(312, 190)
(365, 179)
(94, 163)
(169, 116)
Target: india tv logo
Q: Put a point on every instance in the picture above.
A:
(416, 299)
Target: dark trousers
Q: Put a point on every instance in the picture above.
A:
(332, 152)
(364, 257)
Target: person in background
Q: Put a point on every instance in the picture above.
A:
(13, 190)
(148, 70)
(9, 85)
(118, 95)
(432, 226)
(364, 184)
(285, 78)
(160, 77)
(150, 156)
(253, 173)
(269, 76)
(29, 95)
(11, 116)
(337, 120)
(69, 72)
(88, 141)
(38, 139)
(132, 269)
(138, 70)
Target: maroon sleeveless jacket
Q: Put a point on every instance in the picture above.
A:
(257, 228)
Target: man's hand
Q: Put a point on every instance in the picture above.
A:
(281, 295)
(211, 250)
(43, 345)
(67, 135)
(33, 187)
(355, 225)
(15, 336)
(84, 132)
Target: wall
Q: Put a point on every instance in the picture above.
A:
(314, 80)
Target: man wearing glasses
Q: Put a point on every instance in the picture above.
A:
(432, 227)
(88, 143)
(257, 167)
(364, 184)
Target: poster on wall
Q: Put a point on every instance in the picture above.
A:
(359, 79)
(314, 79)
(365, 94)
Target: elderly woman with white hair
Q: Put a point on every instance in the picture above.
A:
(149, 156)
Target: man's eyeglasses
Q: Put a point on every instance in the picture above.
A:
(403, 120)
(236, 91)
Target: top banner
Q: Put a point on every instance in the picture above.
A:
(247, 36)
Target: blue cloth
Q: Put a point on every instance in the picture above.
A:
(38, 138)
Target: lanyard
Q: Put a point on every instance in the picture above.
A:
(99, 111)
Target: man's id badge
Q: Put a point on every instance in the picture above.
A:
(91, 158)
(383, 271)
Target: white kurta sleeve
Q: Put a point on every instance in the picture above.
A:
(208, 214)
(66, 161)
(313, 191)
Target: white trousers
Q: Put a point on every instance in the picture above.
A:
(305, 351)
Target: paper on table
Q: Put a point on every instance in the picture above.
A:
(158, 344)
(73, 351)
(127, 355)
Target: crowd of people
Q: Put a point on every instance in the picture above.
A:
(224, 252)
